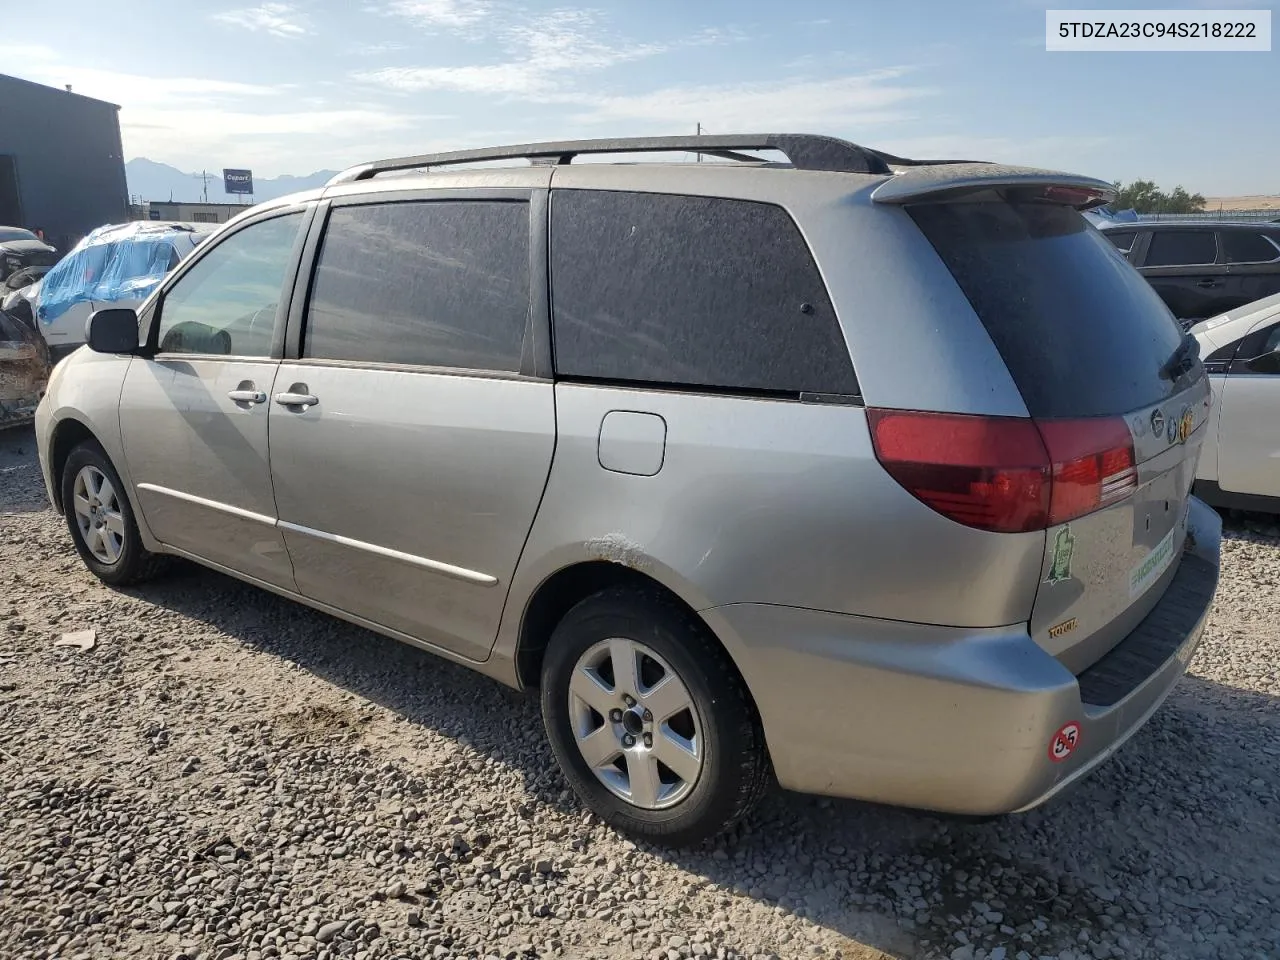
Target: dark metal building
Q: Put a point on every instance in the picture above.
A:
(61, 161)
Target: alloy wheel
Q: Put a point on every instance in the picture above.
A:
(635, 723)
(98, 515)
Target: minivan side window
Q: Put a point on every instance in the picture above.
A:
(441, 283)
(226, 303)
(1243, 246)
(1178, 248)
(690, 291)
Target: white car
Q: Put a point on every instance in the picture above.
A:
(114, 266)
(1240, 464)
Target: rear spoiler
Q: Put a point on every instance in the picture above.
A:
(955, 181)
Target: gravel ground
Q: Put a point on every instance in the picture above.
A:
(228, 775)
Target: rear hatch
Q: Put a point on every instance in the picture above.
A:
(1116, 391)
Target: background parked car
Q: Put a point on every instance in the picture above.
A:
(1202, 268)
(114, 266)
(1241, 351)
(21, 248)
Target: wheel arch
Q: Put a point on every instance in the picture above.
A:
(67, 435)
(558, 593)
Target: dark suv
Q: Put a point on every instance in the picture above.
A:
(1202, 268)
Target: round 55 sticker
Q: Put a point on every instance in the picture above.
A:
(1064, 742)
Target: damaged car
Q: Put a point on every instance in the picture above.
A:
(20, 249)
(114, 266)
(24, 371)
(18, 293)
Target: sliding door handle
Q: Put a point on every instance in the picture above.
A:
(291, 399)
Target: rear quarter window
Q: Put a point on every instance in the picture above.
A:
(686, 291)
(1082, 333)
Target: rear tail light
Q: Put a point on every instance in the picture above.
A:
(1006, 474)
(1092, 465)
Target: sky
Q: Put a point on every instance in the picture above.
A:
(294, 86)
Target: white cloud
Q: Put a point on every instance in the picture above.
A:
(503, 78)
(133, 89)
(198, 121)
(441, 13)
(277, 19)
(275, 141)
(877, 97)
(568, 40)
(374, 49)
(545, 54)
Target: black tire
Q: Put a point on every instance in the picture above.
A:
(735, 770)
(135, 564)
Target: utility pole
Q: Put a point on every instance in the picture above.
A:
(699, 156)
(204, 177)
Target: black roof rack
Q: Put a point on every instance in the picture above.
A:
(805, 151)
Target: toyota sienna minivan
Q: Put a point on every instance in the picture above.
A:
(865, 476)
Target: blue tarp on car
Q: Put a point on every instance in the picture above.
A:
(117, 262)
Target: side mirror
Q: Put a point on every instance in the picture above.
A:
(112, 331)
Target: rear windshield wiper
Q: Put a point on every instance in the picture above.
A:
(1182, 359)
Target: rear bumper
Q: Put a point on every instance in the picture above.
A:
(950, 719)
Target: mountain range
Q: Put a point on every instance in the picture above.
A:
(149, 180)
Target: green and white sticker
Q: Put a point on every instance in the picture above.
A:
(1064, 544)
(1153, 564)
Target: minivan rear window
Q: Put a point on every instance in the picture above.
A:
(1082, 333)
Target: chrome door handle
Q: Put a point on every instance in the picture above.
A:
(248, 396)
(296, 399)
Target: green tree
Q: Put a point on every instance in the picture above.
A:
(1145, 197)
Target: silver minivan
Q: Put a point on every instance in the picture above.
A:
(863, 475)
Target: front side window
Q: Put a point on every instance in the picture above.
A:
(441, 283)
(226, 303)
(1243, 246)
(1181, 248)
(690, 291)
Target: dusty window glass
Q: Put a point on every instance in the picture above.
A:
(690, 291)
(434, 283)
(1082, 333)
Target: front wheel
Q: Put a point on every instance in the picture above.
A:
(649, 720)
(101, 521)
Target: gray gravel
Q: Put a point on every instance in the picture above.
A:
(228, 775)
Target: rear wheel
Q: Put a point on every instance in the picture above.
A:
(649, 720)
(101, 521)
